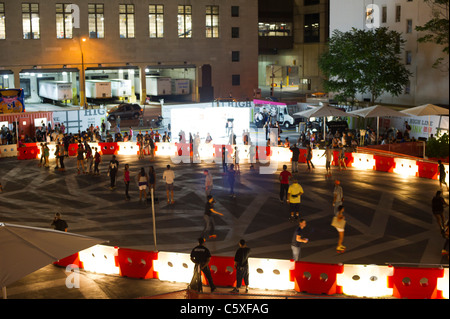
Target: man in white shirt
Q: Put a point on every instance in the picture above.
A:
(169, 177)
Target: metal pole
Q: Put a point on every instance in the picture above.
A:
(154, 220)
(4, 293)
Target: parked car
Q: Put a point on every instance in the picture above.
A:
(125, 111)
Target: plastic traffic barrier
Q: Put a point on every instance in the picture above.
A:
(108, 148)
(384, 163)
(416, 283)
(316, 278)
(69, 260)
(136, 263)
(27, 152)
(222, 271)
(427, 170)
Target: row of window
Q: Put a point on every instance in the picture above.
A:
(64, 21)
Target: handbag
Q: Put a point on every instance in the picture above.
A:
(338, 223)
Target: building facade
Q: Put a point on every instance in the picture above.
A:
(427, 84)
(292, 36)
(212, 43)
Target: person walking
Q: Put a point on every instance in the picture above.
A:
(151, 180)
(295, 156)
(208, 230)
(231, 179)
(298, 239)
(169, 177)
(338, 196)
(241, 266)
(46, 155)
(442, 175)
(112, 171)
(143, 183)
(208, 182)
(97, 161)
(437, 205)
(284, 183)
(126, 179)
(342, 157)
(59, 224)
(328, 158)
(80, 158)
(201, 256)
(309, 158)
(339, 223)
(294, 194)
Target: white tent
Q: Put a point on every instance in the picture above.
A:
(24, 250)
(378, 111)
(426, 110)
(323, 111)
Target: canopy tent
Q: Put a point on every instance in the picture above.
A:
(24, 250)
(426, 110)
(377, 111)
(323, 111)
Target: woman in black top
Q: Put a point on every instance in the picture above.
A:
(437, 204)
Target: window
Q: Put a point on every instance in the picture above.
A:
(398, 13)
(235, 32)
(2, 21)
(276, 29)
(384, 14)
(235, 11)
(212, 21)
(311, 28)
(235, 56)
(311, 2)
(126, 20)
(408, 87)
(30, 21)
(408, 57)
(63, 21)
(409, 28)
(236, 80)
(184, 21)
(96, 21)
(156, 20)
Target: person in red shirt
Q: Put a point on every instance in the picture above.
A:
(284, 183)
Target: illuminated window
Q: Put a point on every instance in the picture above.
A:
(212, 21)
(30, 21)
(2, 21)
(126, 20)
(311, 28)
(156, 20)
(184, 21)
(96, 21)
(63, 21)
(275, 29)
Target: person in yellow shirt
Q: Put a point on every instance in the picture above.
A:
(294, 195)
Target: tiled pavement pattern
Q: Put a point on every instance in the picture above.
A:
(389, 217)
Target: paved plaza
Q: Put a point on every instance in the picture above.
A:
(389, 216)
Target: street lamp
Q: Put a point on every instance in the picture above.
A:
(82, 76)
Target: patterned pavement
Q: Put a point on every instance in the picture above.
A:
(389, 217)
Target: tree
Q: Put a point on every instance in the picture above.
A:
(364, 61)
(437, 29)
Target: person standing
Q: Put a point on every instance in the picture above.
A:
(112, 170)
(126, 179)
(209, 218)
(169, 177)
(201, 256)
(309, 158)
(151, 179)
(328, 158)
(284, 183)
(295, 156)
(97, 160)
(46, 155)
(442, 174)
(80, 158)
(437, 204)
(231, 179)
(294, 194)
(342, 157)
(143, 183)
(339, 224)
(61, 156)
(241, 265)
(338, 196)
(208, 182)
(59, 224)
(298, 239)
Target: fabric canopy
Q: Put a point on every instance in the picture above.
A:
(377, 111)
(426, 109)
(322, 111)
(24, 249)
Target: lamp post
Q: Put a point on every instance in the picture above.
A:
(82, 77)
